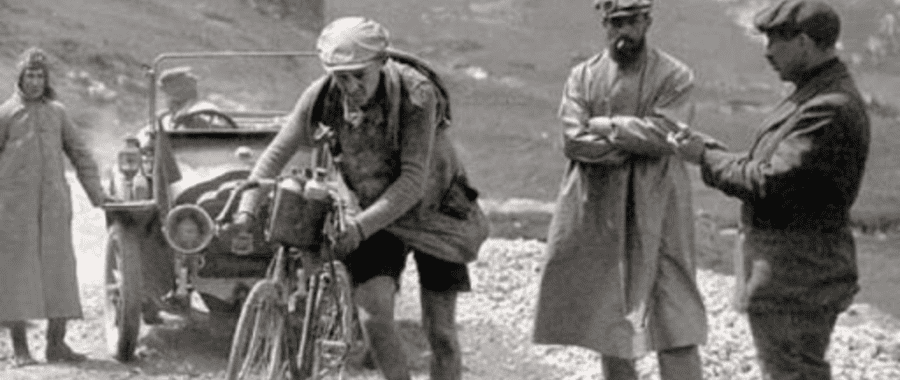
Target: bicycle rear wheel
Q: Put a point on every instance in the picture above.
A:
(257, 349)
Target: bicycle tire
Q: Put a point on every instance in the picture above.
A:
(258, 345)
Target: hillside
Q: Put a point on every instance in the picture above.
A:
(504, 60)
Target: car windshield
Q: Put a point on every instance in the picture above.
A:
(221, 111)
(254, 89)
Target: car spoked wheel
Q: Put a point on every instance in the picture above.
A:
(122, 279)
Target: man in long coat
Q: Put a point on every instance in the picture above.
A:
(620, 277)
(37, 262)
(796, 184)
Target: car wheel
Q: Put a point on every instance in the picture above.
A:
(122, 306)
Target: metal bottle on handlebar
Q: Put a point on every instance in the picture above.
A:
(302, 201)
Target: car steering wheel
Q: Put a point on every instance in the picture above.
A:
(204, 119)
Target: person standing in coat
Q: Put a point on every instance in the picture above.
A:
(797, 183)
(389, 113)
(37, 265)
(620, 277)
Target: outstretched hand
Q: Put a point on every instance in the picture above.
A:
(690, 146)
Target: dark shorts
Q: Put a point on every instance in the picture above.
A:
(383, 254)
(792, 345)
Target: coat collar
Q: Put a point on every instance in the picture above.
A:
(20, 98)
(818, 78)
(814, 81)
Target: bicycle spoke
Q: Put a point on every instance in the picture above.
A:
(257, 352)
(253, 352)
(332, 321)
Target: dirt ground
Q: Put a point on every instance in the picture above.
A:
(495, 321)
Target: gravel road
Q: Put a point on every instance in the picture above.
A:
(495, 321)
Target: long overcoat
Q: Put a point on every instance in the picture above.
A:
(620, 272)
(37, 260)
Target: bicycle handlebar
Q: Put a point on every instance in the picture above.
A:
(225, 215)
(321, 160)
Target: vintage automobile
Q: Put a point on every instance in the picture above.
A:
(162, 248)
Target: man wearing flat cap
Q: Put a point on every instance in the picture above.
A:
(620, 277)
(797, 184)
(179, 84)
(184, 110)
(389, 113)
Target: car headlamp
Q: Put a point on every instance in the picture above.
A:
(188, 228)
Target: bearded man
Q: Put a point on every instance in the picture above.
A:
(620, 277)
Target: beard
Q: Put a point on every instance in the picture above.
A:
(626, 51)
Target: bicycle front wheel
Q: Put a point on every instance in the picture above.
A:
(329, 335)
(257, 349)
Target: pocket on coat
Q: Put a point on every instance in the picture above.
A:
(459, 199)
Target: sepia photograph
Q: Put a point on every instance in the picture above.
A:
(450, 189)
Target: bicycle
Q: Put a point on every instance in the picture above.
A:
(306, 213)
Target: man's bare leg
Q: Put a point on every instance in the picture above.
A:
(376, 298)
(439, 322)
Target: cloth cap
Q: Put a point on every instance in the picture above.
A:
(351, 43)
(816, 19)
(34, 58)
(622, 8)
(177, 76)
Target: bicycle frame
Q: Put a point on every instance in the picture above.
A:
(318, 279)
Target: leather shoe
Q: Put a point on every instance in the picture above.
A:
(62, 353)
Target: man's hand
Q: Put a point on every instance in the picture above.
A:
(710, 142)
(760, 275)
(600, 125)
(348, 240)
(688, 145)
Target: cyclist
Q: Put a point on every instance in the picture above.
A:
(389, 120)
